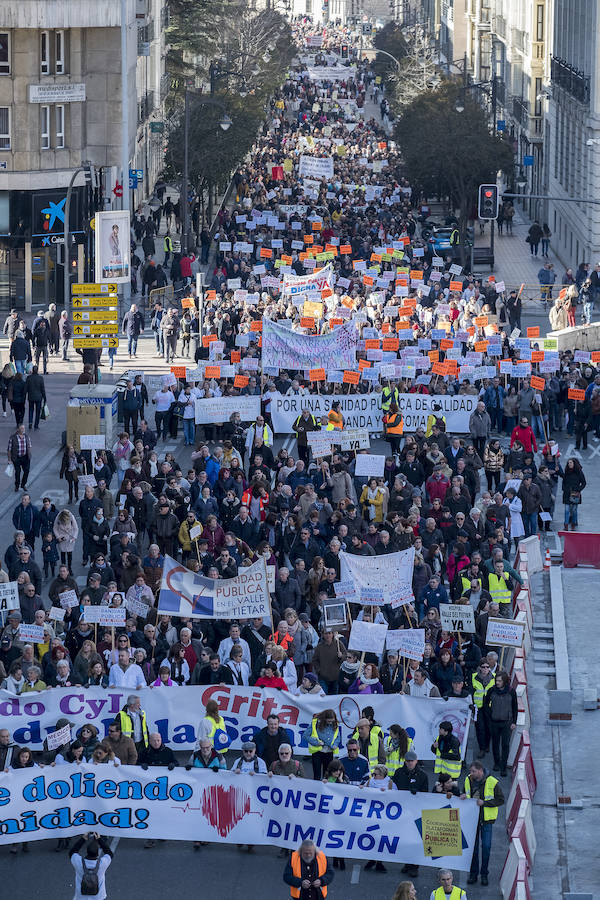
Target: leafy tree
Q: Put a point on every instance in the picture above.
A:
(450, 153)
(390, 39)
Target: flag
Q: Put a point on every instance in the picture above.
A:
(188, 594)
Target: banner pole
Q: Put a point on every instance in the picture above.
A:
(268, 593)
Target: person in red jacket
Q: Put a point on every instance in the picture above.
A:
(437, 485)
(271, 678)
(523, 433)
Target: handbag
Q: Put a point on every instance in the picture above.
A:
(575, 497)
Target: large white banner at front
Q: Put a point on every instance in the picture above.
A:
(216, 410)
(223, 807)
(176, 713)
(363, 411)
(316, 166)
(285, 349)
(331, 73)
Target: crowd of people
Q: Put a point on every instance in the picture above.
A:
(461, 500)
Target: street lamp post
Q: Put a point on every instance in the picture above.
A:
(224, 124)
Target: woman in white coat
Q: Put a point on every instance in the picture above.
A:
(517, 529)
(66, 532)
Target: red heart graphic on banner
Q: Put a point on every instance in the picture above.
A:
(224, 807)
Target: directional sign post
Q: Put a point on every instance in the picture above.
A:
(87, 302)
(94, 288)
(88, 343)
(108, 328)
(94, 315)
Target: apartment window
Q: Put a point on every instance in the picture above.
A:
(45, 127)
(539, 25)
(59, 122)
(59, 48)
(45, 52)
(4, 53)
(4, 127)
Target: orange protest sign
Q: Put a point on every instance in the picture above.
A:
(351, 377)
(335, 322)
(481, 346)
(416, 275)
(188, 303)
(178, 371)
(348, 302)
(375, 257)
(364, 364)
(386, 328)
(368, 280)
(331, 248)
(241, 381)
(316, 374)
(326, 292)
(595, 355)
(439, 368)
(405, 311)
(456, 285)
(266, 253)
(211, 295)
(372, 344)
(537, 355)
(346, 249)
(236, 356)
(308, 239)
(381, 145)
(208, 339)
(317, 248)
(391, 343)
(212, 372)
(533, 331)
(434, 355)
(316, 226)
(481, 321)
(256, 325)
(286, 260)
(446, 344)
(576, 394)
(307, 322)
(537, 383)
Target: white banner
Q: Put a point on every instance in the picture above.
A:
(363, 411)
(409, 642)
(302, 284)
(457, 617)
(217, 410)
(222, 807)
(316, 166)
(360, 411)
(185, 593)
(176, 713)
(384, 572)
(505, 633)
(286, 349)
(331, 73)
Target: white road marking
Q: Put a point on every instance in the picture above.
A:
(355, 877)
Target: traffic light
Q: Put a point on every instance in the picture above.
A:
(487, 207)
(344, 51)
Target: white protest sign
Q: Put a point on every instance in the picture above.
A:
(345, 589)
(457, 617)
(56, 739)
(104, 615)
(409, 642)
(195, 532)
(370, 596)
(369, 465)
(9, 596)
(319, 442)
(31, 634)
(56, 613)
(68, 599)
(505, 633)
(216, 410)
(317, 167)
(354, 439)
(84, 480)
(137, 607)
(367, 637)
(401, 594)
(92, 442)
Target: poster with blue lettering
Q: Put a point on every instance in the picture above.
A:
(185, 593)
(224, 808)
(289, 349)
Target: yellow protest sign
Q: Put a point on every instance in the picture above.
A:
(288, 165)
(312, 309)
(441, 832)
(341, 150)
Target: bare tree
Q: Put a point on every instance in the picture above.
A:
(417, 73)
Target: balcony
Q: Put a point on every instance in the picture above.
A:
(520, 111)
(570, 79)
(519, 40)
(499, 26)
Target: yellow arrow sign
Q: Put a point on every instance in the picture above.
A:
(91, 288)
(94, 315)
(95, 342)
(85, 302)
(107, 328)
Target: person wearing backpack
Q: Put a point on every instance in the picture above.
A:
(90, 870)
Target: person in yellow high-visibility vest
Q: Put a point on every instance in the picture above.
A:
(500, 588)
(448, 890)
(447, 751)
(335, 419)
(483, 788)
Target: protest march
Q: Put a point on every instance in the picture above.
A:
(302, 624)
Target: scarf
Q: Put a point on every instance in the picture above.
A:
(368, 680)
(349, 668)
(371, 496)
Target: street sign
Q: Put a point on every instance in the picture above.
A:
(107, 328)
(89, 343)
(93, 288)
(528, 160)
(133, 183)
(94, 315)
(157, 127)
(85, 302)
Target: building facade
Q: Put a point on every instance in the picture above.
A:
(60, 105)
